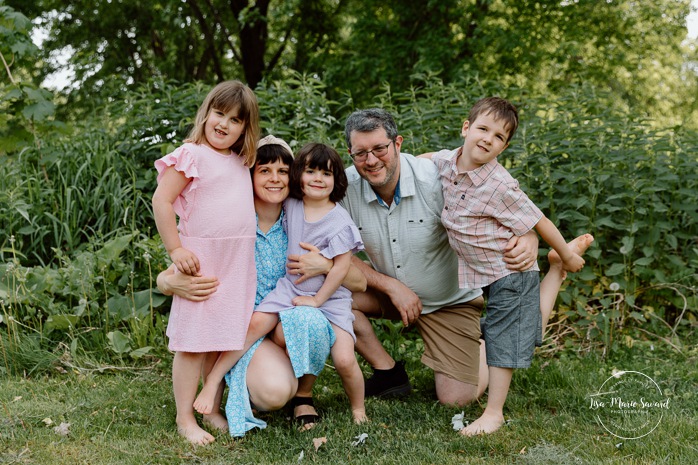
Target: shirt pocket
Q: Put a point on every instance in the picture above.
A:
(421, 233)
(371, 239)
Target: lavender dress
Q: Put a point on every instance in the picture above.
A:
(334, 235)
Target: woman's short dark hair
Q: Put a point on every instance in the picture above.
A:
(324, 157)
(272, 153)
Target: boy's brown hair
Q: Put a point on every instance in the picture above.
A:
(501, 109)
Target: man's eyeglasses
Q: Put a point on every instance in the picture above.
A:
(378, 151)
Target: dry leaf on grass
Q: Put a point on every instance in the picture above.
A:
(47, 421)
(360, 439)
(457, 421)
(63, 429)
(317, 442)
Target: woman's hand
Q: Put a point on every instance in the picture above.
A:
(194, 288)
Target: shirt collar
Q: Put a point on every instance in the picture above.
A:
(274, 227)
(481, 174)
(396, 197)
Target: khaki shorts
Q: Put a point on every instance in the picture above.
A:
(452, 340)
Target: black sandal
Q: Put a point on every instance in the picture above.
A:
(303, 420)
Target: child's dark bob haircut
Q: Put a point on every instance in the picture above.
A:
(324, 157)
(271, 153)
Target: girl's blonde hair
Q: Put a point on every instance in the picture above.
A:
(224, 97)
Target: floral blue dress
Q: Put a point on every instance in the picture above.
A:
(308, 334)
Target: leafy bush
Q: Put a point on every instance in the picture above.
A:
(79, 250)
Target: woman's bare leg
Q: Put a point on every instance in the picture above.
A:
(270, 377)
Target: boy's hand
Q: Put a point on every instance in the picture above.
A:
(573, 263)
(305, 301)
(185, 261)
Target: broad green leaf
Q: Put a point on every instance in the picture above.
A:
(615, 269)
(138, 353)
(60, 322)
(119, 342)
(628, 243)
(644, 261)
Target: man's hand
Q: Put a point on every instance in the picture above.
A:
(309, 264)
(521, 252)
(405, 301)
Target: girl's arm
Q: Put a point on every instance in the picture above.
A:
(550, 234)
(171, 184)
(332, 282)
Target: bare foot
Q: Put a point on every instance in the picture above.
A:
(195, 434)
(359, 416)
(578, 245)
(486, 424)
(217, 421)
(206, 398)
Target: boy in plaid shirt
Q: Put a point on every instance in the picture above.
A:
(483, 209)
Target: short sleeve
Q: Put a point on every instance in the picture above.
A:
(348, 239)
(516, 211)
(440, 159)
(185, 162)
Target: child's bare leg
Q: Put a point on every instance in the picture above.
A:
(277, 336)
(186, 369)
(483, 371)
(493, 416)
(216, 418)
(550, 286)
(348, 369)
(260, 324)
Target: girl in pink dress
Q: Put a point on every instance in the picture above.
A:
(312, 215)
(206, 183)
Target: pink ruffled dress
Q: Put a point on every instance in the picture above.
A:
(217, 222)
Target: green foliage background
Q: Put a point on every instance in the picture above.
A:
(79, 252)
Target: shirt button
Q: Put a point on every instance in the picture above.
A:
(445, 208)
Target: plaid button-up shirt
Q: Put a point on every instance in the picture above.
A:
(483, 209)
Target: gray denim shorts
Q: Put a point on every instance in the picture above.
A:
(512, 327)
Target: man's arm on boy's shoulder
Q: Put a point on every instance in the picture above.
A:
(426, 155)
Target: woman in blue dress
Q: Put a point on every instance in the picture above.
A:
(267, 375)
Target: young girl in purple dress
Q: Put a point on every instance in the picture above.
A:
(317, 182)
(206, 183)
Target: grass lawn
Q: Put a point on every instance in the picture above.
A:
(128, 417)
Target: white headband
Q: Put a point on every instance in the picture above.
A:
(273, 140)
